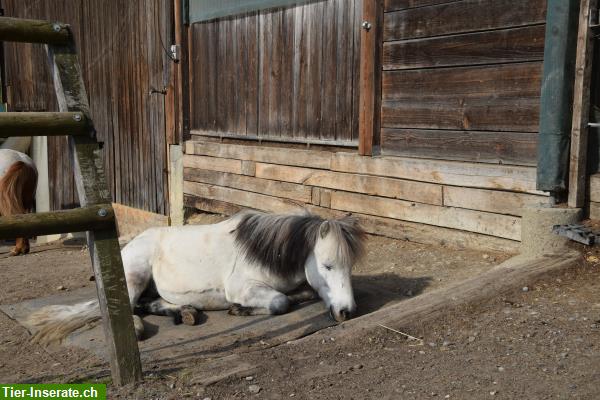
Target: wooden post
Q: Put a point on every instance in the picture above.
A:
(370, 76)
(581, 106)
(103, 244)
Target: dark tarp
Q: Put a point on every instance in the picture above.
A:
(557, 95)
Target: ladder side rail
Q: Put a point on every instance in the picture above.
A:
(103, 244)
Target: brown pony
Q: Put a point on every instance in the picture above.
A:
(18, 182)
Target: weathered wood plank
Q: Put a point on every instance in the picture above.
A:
(502, 98)
(491, 114)
(33, 31)
(283, 173)
(492, 147)
(42, 124)
(209, 205)
(212, 163)
(473, 221)
(581, 105)
(462, 16)
(394, 5)
(251, 184)
(378, 186)
(103, 244)
(492, 47)
(510, 81)
(132, 221)
(513, 178)
(505, 278)
(403, 230)
(493, 201)
(242, 198)
(273, 155)
(435, 235)
(100, 216)
(370, 76)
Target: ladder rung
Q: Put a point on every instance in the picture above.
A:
(90, 218)
(33, 31)
(43, 124)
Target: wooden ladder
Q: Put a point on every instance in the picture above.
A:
(96, 215)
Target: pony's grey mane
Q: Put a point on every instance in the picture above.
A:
(282, 243)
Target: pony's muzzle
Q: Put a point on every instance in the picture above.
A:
(341, 315)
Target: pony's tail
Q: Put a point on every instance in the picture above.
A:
(17, 189)
(55, 323)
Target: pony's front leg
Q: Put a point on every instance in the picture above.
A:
(260, 300)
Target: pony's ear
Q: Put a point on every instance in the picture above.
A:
(350, 219)
(324, 229)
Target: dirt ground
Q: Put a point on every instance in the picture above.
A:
(542, 343)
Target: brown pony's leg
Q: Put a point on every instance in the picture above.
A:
(17, 195)
(21, 247)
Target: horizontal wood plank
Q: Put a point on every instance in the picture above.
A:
(512, 178)
(492, 47)
(491, 114)
(283, 173)
(394, 5)
(240, 197)
(132, 221)
(462, 16)
(209, 205)
(504, 226)
(502, 98)
(251, 184)
(509, 81)
(212, 163)
(379, 186)
(493, 201)
(491, 147)
(272, 155)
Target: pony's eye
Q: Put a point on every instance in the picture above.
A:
(328, 267)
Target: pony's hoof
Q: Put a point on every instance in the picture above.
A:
(189, 315)
(138, 325)
(240, 310)
(16, 252)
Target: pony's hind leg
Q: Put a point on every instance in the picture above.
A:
(186, 314)
(260, 300)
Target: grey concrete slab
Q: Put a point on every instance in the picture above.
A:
(217, 335)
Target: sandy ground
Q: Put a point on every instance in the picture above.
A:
(538, 344)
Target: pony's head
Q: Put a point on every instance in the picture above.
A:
(339, 244)
(298, 246)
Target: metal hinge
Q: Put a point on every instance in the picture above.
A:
(175, 52)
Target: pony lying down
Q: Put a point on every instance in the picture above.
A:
(250, 264)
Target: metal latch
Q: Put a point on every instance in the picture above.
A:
(175, 52)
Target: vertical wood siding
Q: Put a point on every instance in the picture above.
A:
(287, 74)
(462, 79)
(120, 43)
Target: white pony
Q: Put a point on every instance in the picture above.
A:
(18, 182)
(252, 263)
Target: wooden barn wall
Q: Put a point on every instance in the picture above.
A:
(457, 203)
(121, 46)
(461, 79)
(287, 74)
